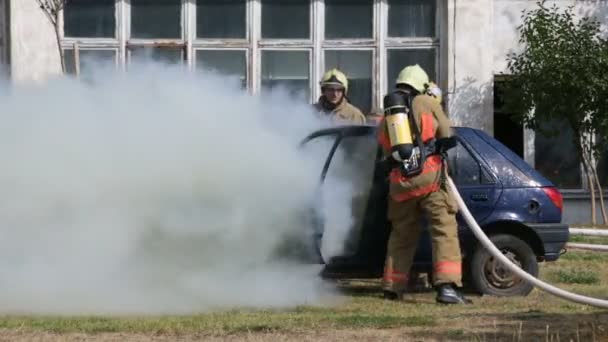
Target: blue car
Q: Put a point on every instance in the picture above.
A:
(519, 209)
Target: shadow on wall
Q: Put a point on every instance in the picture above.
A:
(467, 106)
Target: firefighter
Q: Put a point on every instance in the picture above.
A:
(334, 102)
(414, 193)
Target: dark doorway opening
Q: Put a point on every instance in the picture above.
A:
(506, 129)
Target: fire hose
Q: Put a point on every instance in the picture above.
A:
(496, 253)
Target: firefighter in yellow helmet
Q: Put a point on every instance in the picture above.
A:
(333, 100)
(414, 134)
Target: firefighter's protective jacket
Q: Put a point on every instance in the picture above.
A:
(344, 112)
(432, 123)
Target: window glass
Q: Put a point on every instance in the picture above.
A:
(89, 18)
(357, 65)
(400, 58)
(154, 54)
(464, 168)
(288, 70)
(156, 19)
(221, 18)
(411, 18)
(348, 19)
(287, 19)
(89, 61)
(226, 62)
(556, 157)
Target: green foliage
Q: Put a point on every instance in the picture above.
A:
(560, 75)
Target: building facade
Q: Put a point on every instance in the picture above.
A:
(462, 44)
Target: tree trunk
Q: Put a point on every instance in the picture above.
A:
(601, 195)
(583, 151)
(592, 191)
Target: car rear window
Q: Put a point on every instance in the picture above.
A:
(532, 177)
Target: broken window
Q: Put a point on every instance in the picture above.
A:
(221, 19)
(156, 19)
(89, 18)
(357, 65)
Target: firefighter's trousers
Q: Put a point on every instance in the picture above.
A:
(440, 209)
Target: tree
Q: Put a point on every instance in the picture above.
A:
(561, 76)
(52, 8)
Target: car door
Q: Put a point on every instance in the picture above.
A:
(478, 187)
(346, 181)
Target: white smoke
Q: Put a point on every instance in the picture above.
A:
(157, 191)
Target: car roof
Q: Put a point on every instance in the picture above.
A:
(529, 176)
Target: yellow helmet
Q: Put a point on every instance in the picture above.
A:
(335, 77)
(434, 91)
(413, 76)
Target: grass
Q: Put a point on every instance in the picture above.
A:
(585, 256)
(599, 240)
(576, 277)
(365, 316)
(229, 322)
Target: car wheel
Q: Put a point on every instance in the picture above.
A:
(489, 276)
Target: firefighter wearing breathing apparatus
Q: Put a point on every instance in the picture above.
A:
(415, 135)
(334, 102)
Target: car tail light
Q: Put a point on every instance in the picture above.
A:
(555, 196)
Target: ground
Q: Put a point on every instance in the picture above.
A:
(364, 316)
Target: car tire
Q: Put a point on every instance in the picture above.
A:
(489, 277)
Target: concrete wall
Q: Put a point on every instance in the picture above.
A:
(34, 53)
(470, 63)
(480, 34)
(577, 209)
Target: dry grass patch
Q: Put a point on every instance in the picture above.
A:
(364, 316)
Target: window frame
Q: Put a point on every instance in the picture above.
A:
(486, 176)
(253, 43)
(206, 48)
(78, 49)
(259, 76)
(349, 49)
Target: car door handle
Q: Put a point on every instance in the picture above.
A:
(479, 197)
